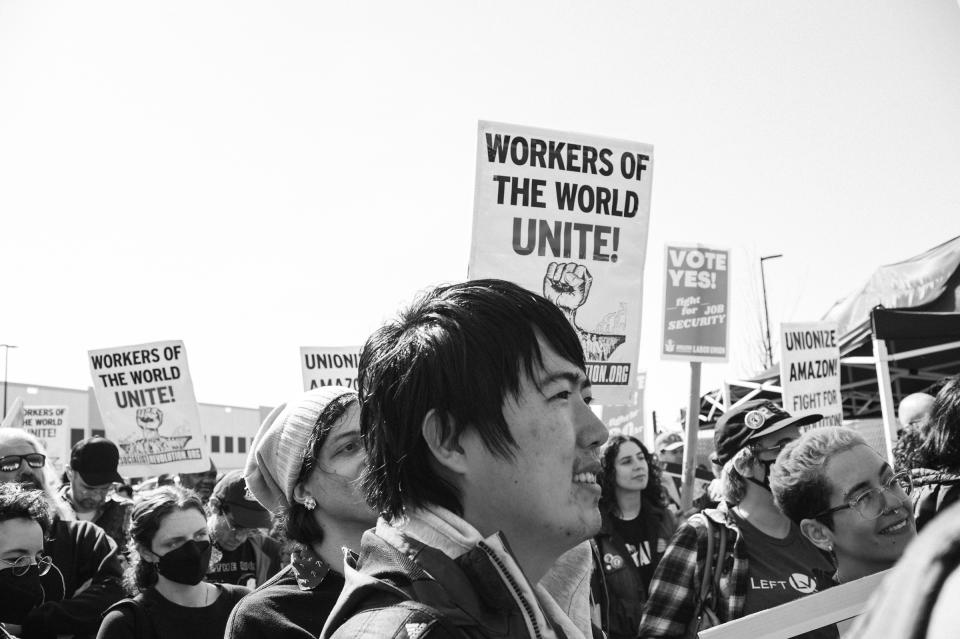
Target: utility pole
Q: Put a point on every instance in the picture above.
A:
(6, 360)
(766, 313)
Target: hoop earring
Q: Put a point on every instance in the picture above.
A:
(309, 503)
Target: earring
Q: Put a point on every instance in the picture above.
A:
(829, 547)
(309, 503)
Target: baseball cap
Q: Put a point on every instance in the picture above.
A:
(236, 499)
(749, 421)
(96, 459)
(669, 441)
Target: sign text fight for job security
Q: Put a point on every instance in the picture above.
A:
(695, 269)
(565, 239)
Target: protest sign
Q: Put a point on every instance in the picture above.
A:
(838, 605)
(810, 371)
(566, 215)
(49, 424)
(146, 400)
(329, 366)
(696, 304)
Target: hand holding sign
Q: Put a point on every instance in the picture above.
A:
(567, 285)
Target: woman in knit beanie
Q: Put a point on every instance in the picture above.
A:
(304, 468)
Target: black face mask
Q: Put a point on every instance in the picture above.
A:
(765, 484)
(187, 564)
(19, 595)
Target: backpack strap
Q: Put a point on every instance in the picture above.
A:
(718, 564)
(703, 593)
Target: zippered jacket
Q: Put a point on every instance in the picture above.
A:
(417, 590)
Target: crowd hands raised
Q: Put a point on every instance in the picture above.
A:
(470, 491)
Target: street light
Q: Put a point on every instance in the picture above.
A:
(766, 313)
(6, 360)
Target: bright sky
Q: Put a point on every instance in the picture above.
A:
(251, 177)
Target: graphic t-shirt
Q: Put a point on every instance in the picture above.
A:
(643, 543)
(238, 566)
(782, 570)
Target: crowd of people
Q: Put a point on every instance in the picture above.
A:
(469, 490)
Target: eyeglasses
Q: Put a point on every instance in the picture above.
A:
(12, 463)
(21, 565)
(872, 503)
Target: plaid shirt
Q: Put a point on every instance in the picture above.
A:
(671, 605)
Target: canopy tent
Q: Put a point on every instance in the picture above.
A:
(907, 350)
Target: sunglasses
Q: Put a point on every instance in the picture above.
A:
(12, 463)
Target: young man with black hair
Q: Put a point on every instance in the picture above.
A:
(482, 460)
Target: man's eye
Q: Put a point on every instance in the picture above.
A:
(562, 395)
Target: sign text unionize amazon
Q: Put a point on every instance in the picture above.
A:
(810, 371)
(329, 366)
(696, 301)
(146, 400)
(566, 215)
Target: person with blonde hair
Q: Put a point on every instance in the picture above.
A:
(846, 499)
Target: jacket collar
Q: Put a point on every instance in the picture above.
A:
(308, 568)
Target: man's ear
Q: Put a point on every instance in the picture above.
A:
(446, 448)
(818, 534)
(69, 472)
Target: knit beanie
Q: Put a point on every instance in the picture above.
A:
(276, 457)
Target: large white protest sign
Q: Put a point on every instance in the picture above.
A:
(810, 371)
(329, 366)
(696, 304)
(50, 425)
(146, 400)
(565, 215)
(838, 605)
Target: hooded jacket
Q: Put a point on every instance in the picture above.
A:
(400, 586)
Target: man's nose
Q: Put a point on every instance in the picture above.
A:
(593, 432)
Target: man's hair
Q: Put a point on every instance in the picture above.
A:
(459, 350)
(941, 447)
(800, 488)
(20, 502)
(653, 493)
